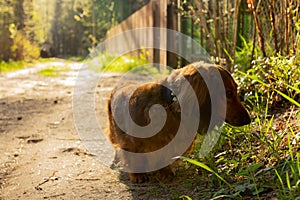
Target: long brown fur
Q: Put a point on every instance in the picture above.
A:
(146, 95)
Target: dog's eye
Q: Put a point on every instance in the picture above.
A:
(229, 94)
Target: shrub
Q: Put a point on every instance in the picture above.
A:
(276, 78)
(23, 49)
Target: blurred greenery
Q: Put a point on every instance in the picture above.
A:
(53, 71)
(11, 66)
(109, 63)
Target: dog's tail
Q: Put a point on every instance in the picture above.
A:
(110, 132)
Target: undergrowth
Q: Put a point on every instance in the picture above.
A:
(260, 160)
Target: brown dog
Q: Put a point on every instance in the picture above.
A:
(198, 92)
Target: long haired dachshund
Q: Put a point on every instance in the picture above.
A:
(175, 93)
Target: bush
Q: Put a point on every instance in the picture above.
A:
(275, 78)
(23, 49)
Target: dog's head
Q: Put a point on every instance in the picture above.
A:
(236, 113)
(213, 85)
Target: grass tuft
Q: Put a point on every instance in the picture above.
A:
(53, 71)
(11, 66)
(109, 63)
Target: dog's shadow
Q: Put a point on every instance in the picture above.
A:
(185, 183)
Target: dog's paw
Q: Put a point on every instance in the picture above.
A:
(165, 174)
(138, 178)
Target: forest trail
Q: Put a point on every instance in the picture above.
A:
(42, 156)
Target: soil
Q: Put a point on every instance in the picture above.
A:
(42, 155)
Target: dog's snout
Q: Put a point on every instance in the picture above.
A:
(240, 117)
(245, 116)
(245, 119)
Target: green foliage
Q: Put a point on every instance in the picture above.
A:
(20, 30)
(276, 78)
(81, 25)
(70, 28)
(243, 55)
(288, 175)
(123, 9)
(185, 197)
(23, 49)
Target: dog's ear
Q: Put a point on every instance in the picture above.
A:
(199, 85)
(188, 91)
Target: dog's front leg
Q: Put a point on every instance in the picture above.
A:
(133, 164)
(137, 177)
(166, 173)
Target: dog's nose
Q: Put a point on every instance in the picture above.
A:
(240, 118)
(246, 120)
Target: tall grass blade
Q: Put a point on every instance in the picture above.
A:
(280, 180)
(199, 164)
(185, 197)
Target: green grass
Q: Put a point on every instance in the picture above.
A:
(53, 71)
(109, 63)
(125, 63)
(17, 65)
(255, 160)
(45, 60)
(11, 66)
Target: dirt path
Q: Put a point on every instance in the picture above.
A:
(42, 156)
